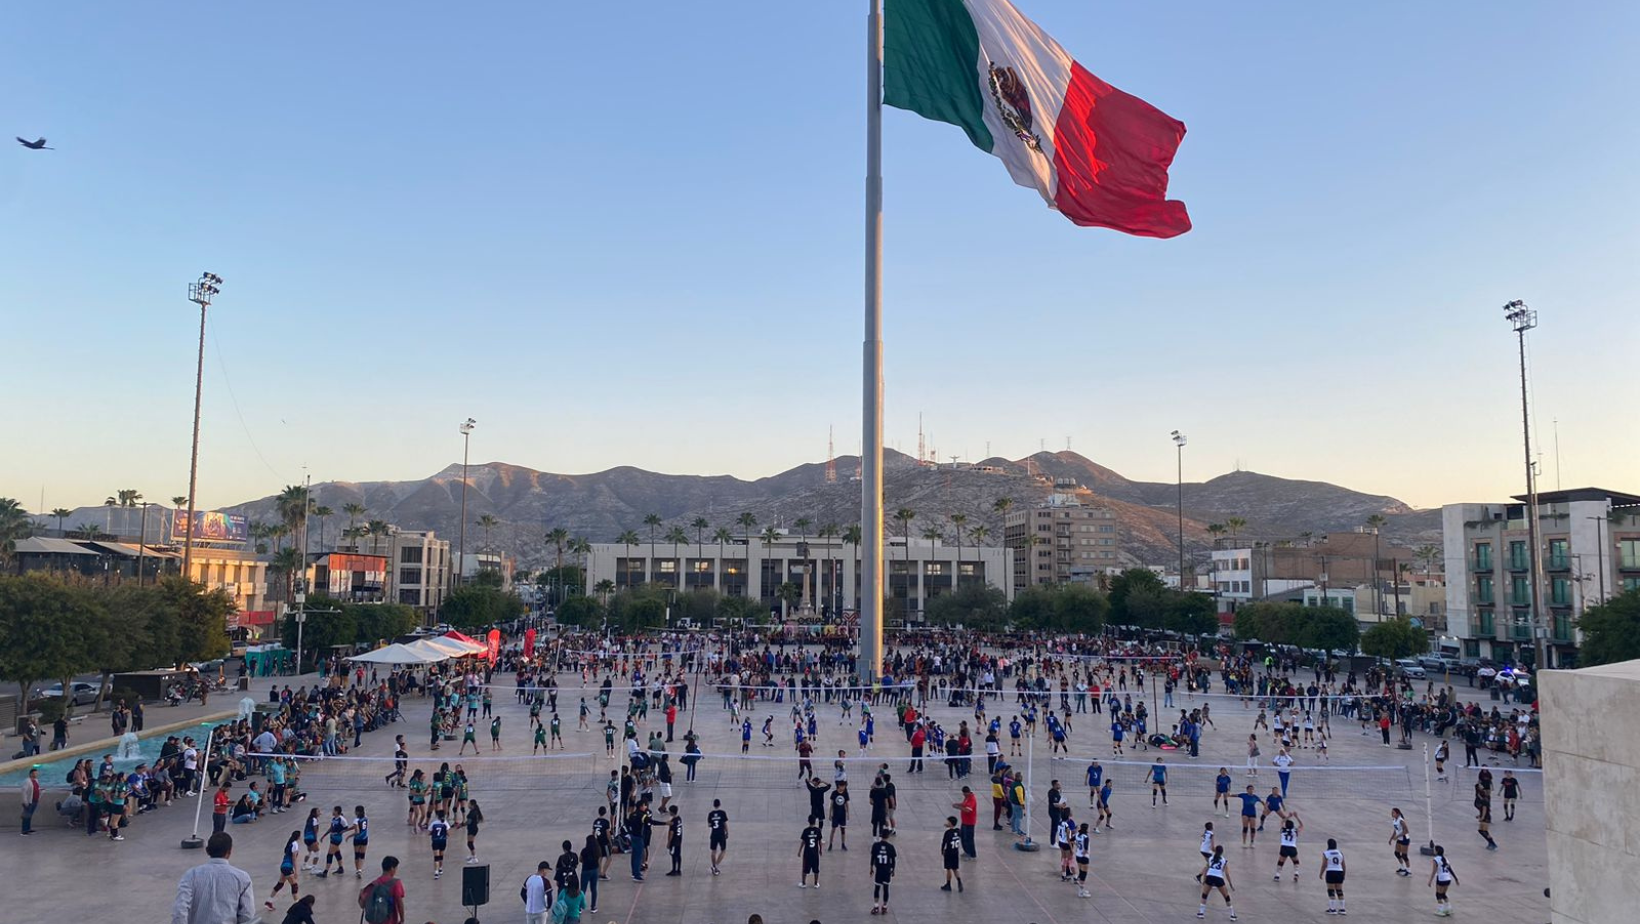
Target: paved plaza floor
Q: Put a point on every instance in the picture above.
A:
(1141, 872)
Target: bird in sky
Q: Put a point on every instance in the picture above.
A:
(38, 144)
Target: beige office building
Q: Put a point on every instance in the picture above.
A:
(1075, 542)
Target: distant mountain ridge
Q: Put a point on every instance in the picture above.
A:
(601, 505)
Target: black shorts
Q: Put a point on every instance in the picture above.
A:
(359, 848)
(718, 840)
(1335, 877)
(837, 822)
(1289, 852)
(811, 863)
(951, 859)
(1213, 882)
(1401, 844)
(885, 877)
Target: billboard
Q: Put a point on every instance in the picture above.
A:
(210, 526)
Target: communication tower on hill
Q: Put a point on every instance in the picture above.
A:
(831, 458)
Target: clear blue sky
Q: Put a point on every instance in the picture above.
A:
(631, 234)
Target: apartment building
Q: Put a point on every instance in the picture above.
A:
(1061, 541)
(1589, 550)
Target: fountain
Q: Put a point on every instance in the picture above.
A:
(127, 749)
(246, 707)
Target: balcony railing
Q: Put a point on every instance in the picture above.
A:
(1559, 563)
(1519, 563)
(1481, 563)
(1521, 632)
(1483, 628)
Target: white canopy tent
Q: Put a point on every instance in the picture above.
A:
(446, 647)
(400, 654)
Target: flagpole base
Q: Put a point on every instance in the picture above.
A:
(1027, 846)
(192, 842)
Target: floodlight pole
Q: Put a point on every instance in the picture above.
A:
(1524, 319)
(200, 293)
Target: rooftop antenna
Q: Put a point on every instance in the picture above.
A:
(1067, 444)
(1557, 453)
(831, 457)
(922, 454)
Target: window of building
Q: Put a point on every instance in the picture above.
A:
(1631, 583)
(1560, 556)
(409, 597)
(410, 555)
(409, 575)
(1483, 589)
(1517, 555)
(1520, 592)
(1628, 554)
(1560, 592)
(1107, 529)
(1488, 623)
(1483, 556)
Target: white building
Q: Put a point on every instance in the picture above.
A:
(1590, 551)
(913, 573)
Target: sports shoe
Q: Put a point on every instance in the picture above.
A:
(946, 887)
(1276, 877)
(802, 885)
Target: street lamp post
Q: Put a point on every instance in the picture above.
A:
(1523, 319)
(200, 293)
(461, 545)
(142, 541)
(1600, 546)
(1179, 441)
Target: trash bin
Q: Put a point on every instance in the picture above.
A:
(1494, 692)
(244, 683)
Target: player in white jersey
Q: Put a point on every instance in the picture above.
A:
(1289, 846)
(1215, 874)
(1065, 836)
(1441, 877)
(1400, 839)
(1332, 873)
(1081, 848)
(1207, 842)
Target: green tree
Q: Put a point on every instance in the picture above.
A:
(733, 610)
(653, 521)
(323, 514)
(329, 624)
(41, 631)
(603, 589)
(1080, 608)
(1145, 607)
(558, 537)
(61, 513)
(1376, 523)
(1235, 525)
(14, 525)
(488, 522)
(581, 611)
(1190, 614)
(1611, 630)
(202, 618)
(1394, 638)
(976, 607)
(1328, 628)
(475, 605)
(1124, 584)
(629, 538)
(677, 537)
(375, 623)
(354, 511)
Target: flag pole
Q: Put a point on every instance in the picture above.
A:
(871, 410)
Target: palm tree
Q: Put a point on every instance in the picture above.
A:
(677, 537)
(286, 563)
(829, 532)
(108, 512)
(721, 536)
(179, 501)
(1235, 525)
(128, 497)
(376, 529)
(580, 548)
(629, 539)
(354, 511)
(1429, 555)
(1375, 523)
(700, 525)
(293, 505)
(802, 524)
(61, 513)
(1215, 530)
(653, 521)
(603, 589)
(979, 533)
(258, 533)
(324, 514)
(958, 520)
(277, 532)
(91, 530)
(1001, 506)
(746, 521)
(14, 525)
(904, 516)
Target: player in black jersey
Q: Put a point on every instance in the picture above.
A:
(717, 824)
(883, 859)
(951, 853)
(808, 850)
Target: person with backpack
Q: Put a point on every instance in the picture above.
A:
(382, 900)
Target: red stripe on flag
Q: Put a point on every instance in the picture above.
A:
(1111, 153)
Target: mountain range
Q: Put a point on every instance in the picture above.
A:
(601, 505)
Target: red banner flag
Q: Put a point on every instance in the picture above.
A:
(529, 643)
(495, 645)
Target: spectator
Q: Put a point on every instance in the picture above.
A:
(31, 800)
(215, 892)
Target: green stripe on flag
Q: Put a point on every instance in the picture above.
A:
(931, 64)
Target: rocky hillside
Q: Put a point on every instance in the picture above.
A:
(601, 505)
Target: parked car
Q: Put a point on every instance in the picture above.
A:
(81, 693)
(1432, 663)
(1410, 668)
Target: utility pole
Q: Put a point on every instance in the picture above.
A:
(1524, 319)
(1179, 441)
(200, 293)
(466, 429)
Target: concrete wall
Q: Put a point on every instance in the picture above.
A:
(1591, 763)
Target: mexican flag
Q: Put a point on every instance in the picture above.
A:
(1097, 154)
